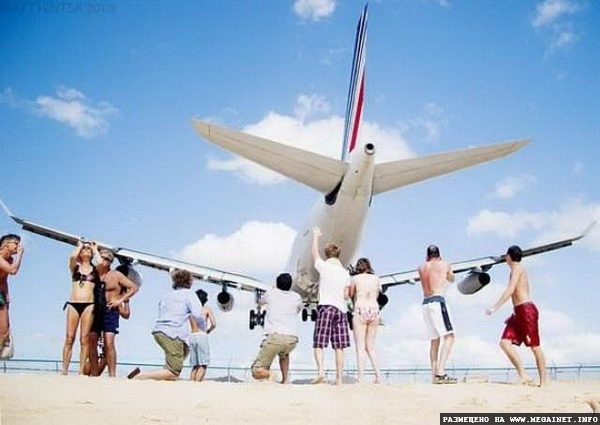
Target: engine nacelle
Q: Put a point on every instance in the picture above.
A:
(131, 273)
(473, 283)
(225, 301)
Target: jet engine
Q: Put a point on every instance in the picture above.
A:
(132, 274)
(225, 301)
(473, 282)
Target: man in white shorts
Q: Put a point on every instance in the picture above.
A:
(434, 274)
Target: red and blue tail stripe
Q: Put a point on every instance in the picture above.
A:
(357, 87)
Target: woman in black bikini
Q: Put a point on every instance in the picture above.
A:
(80, 307)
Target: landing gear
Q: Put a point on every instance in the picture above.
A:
(309, 312)
(257, 318)
(382, 300)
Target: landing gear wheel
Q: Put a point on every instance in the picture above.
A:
(314, 314)
(252, 321)
(262, 318)
(304, 315)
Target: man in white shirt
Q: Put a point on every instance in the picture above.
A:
(281, 329)
(332, 322)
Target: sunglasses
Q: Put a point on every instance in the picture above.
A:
(107, 259)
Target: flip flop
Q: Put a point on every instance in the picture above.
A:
(134, 373)
(445, 379)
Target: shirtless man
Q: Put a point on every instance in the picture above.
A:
(199, 345)
(434, 273)
(522, 326)
(118, 289)
(11, 255)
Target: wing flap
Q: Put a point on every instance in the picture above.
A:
(391, 175)
(319, 172)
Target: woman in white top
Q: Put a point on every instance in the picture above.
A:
(364, 290)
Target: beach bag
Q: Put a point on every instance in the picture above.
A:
(7, 352)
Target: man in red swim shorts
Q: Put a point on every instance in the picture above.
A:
(522, 326)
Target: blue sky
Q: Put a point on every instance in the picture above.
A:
(96, 100)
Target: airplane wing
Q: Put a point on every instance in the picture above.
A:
(394, 174)
(478, 265)
(317, 171)
(133, 257)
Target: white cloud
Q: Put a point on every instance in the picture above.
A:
(256, 248)
(307, 106)
(323, 136)
(556, 18)
(314, 9)
(562, 39)
(9, 97)
(444, 3)
(556, 323)
(512, 185)
(549, 12)
(429, 125)
(572, 349)
(503, 224)
(407, 344)
(68, 106)
(568, 221)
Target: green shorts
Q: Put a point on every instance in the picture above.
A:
(175, 351)
(274, 345)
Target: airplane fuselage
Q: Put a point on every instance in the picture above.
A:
(341, 216)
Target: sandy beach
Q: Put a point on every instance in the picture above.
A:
(53, 399)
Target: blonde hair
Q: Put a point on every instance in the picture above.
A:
(332, 251)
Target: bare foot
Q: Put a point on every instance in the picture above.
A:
(595, 405)
(338, 382)
(526, 380)
(318, 380)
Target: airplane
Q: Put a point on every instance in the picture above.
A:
(346, 190)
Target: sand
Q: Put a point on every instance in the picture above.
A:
(54, 399)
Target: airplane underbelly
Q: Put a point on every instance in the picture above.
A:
(341, 224)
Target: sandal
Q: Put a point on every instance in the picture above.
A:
(445, 379)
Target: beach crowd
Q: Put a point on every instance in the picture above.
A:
(349, 300)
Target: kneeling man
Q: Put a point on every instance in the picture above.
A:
(281, 329)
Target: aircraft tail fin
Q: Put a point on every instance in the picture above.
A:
(391, 175)
(319, 172)
(356, 89)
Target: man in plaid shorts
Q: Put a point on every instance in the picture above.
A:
(332, 323)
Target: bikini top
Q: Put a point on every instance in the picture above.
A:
(92, 277)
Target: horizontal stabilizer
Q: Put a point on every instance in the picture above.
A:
(391, 175)
(319, 172)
